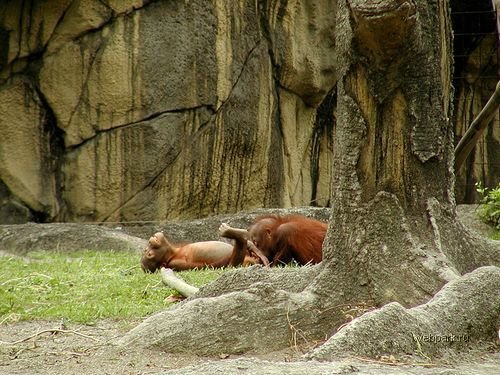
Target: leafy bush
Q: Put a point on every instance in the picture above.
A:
(489, 210)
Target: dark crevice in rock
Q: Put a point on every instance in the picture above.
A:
(324, 124)
(84, 94)
(118, 15)
(12, 210)
(150, 117)
(31, 66)
(59, 21)
(238, 78)
(20, 28)
(267, 34)
(98, 29)
(4, 47)
(52, 160)
(278, 152)
(145, 4)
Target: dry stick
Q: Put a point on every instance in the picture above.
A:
(476, 129)
(53, 330)
(170, 279)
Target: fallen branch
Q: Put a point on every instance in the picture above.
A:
(53, 330)
(169, 278)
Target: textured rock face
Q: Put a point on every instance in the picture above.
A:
(141, 110)
(26, 168)
(138, 110)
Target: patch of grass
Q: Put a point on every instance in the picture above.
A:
(489, 210)
(84, 287)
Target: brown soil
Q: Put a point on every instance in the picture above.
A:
(72, 349)
(55, 348)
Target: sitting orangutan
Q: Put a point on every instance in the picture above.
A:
(281, 238)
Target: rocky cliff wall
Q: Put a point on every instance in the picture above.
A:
(137, 110)
(151, 110)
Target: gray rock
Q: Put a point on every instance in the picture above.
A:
(464, 313)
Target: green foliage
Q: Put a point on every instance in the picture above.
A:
(489, 210)
(83, 287)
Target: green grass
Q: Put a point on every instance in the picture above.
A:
(489, 210)
(84, 287)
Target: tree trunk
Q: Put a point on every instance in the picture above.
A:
(393, 235)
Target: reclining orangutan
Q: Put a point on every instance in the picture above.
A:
(161, 253)
(281, 238)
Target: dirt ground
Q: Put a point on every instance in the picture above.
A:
(45, 347)
(55, 348)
